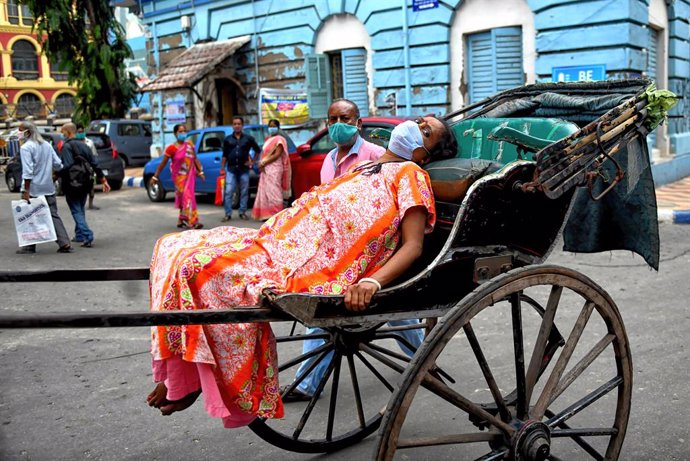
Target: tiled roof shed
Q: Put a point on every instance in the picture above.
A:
(190, 67)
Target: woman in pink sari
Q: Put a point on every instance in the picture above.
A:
(274, 181)
(184, 168)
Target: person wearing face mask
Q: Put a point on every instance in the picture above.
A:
(274, 180)
(319, 245)
(81, 136)
(39, 160)
(184, 169)
(344, 125)
(405, 139)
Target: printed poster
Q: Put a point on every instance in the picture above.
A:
(175, 112)
(289, 107)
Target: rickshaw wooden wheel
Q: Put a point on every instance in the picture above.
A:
(519, 392)
(352, 395)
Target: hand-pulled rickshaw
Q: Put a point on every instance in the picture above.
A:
(527, 361)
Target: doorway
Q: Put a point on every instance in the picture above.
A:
(226, 90)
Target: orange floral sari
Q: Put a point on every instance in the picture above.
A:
(322, 244)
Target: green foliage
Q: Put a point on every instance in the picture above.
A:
(86, 41)
(659, 102)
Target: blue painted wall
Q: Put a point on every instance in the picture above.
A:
(568, 32)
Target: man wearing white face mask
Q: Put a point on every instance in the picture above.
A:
(344, 125)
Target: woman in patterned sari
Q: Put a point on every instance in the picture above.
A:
(349, 237)
(275, 174)
(184, 168)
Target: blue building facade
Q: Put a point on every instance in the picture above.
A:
(393, 58)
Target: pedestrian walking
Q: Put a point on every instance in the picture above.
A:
(274, 179)
(81, 135)
(237, 162)
(39, 160)
(79, 166)
(184, 169)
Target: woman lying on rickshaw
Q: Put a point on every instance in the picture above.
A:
(348, 237)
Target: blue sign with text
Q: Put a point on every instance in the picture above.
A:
(419, 5)
(591, 72)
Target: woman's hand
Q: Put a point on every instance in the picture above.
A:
(358, 297)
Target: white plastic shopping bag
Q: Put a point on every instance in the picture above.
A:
(33, 221)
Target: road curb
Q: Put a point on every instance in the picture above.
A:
(133, 181)
(674, 216)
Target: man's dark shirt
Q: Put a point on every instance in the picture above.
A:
(236, 152)
(70, 148)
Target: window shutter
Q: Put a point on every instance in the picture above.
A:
(508, 45)
(494, 62)
(481, 69)
(355, 82)
(318, 85)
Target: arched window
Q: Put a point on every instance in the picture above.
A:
(57, 73)
(29, 104)
(64, 105)
(24, 61)
(17, 14)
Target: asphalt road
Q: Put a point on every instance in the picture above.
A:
(80, 394)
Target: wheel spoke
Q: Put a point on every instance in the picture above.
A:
(355, 388)
(494, 455)
(448, 439)
(584, 402)
(292, 338)
(374, 371)
(390, 353)
(558, 369)
(486, 371)
(451, 396)
(575, 437)
(334, 397)
(381, 358)
(582, 365)
(312, 402)
(301, 358)
(400, 339)
(535, 363)
(518, 347)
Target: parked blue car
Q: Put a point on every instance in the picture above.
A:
(208, 143)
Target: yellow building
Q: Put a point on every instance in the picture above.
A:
(30, 86)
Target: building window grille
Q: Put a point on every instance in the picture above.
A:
(24, 61)
(19, 14)
(57, 73)
(29, 104)
(64, 105)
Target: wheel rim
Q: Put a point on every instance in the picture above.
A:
(352, 395)
(154, 191)
(11, 183)
(574, 398)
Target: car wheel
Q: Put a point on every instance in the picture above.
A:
(124, 159)
(58, 187)
(155, 191)
(11, 182)
(115, 185)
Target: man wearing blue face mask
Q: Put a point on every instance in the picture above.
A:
(343, 128)
(344, 125)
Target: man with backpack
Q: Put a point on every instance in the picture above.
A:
(79, 165)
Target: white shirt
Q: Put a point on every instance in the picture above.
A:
(38, 162)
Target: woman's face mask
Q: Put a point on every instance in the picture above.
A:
(405, 138)
(272, 130)
(181, 137)
(342, 133)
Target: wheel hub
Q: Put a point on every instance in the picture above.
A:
(532, 442)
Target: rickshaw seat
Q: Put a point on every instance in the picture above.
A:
(478, 137)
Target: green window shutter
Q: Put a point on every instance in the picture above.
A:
(355, 87)
(508, 44)
(318, 85)
(652, 72)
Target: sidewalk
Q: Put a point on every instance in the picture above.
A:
(673, 202)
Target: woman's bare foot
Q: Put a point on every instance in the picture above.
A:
(157, 397)
(171, 406)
